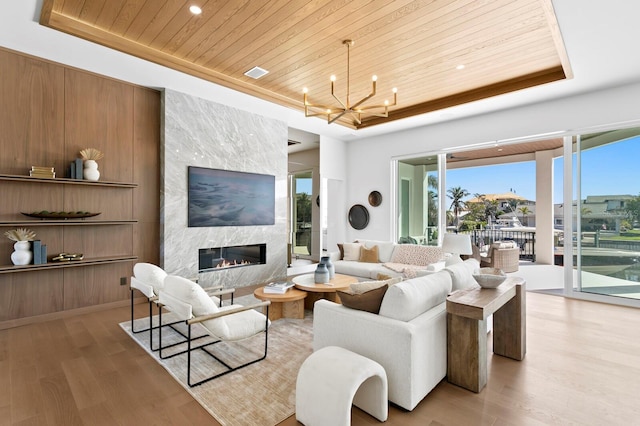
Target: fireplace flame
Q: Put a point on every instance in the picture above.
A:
(226, 264)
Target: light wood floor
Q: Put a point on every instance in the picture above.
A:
(582, 367)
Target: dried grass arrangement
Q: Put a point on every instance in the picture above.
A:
(20, 234)
(91, 154)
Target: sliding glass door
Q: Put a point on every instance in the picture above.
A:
(606, 218)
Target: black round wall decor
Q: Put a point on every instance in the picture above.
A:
(358, 216)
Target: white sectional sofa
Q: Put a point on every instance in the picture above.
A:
(408, 336)
(405, 260)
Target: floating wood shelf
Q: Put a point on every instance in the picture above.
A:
(65, 222)
(67, 264)
(67, 181)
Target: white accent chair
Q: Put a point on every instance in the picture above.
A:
(148, 279)
(191, 304)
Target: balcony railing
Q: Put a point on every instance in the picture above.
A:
(526, 240)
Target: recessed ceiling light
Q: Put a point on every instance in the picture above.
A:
(195, 10)
(256, 72)
(460, 67)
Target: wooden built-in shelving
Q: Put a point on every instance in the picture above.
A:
(67, 181)
(67, 264)
(65, 222)
(51, 112)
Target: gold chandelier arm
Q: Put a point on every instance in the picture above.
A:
(334, 113)
(363, 100)
(331, 120)
(309, 113)
(338, 99)
(386, 106)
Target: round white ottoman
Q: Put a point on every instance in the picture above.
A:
(333, 378)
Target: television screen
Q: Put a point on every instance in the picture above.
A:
(228, 198)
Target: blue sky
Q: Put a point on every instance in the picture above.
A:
(608, 169)
(303, 185)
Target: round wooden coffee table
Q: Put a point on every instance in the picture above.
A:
(287, 305)
(327, 291)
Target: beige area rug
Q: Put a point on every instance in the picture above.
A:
(260, 394)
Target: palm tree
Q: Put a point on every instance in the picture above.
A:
(432, 200)
(457, 194)
(525, 211)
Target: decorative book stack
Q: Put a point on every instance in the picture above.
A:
(76, 169)
(278, 287)
(39, 252)
(42, 172)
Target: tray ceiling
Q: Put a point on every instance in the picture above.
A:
(416, 46)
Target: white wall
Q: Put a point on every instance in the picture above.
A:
(333, 204)
(370, 159)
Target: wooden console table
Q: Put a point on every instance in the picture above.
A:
(467, 312)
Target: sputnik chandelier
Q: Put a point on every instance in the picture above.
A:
(356, 110)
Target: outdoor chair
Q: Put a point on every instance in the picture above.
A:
(191, 304)
(504, 256)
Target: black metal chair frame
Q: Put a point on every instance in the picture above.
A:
(218, 291)
(191, 348)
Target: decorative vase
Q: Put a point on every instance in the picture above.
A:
(330, 266)
(90, 171)
(321, 276)
(22, 254)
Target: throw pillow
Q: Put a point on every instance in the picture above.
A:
(411, 254)
(385, 248)
(365, 286)
(369, 301)
(351, 251)
(383, 277)
(369, 255)
(341, 248)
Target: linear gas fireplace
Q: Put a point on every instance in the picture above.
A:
(219, 258)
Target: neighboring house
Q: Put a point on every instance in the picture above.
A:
(597, 210)
(505, 205)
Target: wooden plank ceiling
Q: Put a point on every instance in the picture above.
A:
(504, 45)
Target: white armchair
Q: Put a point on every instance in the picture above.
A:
(191, 304)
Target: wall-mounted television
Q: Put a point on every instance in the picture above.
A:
(229, 198)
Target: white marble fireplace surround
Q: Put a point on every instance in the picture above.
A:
(198, 132)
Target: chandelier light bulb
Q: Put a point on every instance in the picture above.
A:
(305, 90)
(333, 78)
(386, 102)
(374, 78)
(394, 90)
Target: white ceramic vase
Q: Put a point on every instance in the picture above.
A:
(90, 171)
(22, 254)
